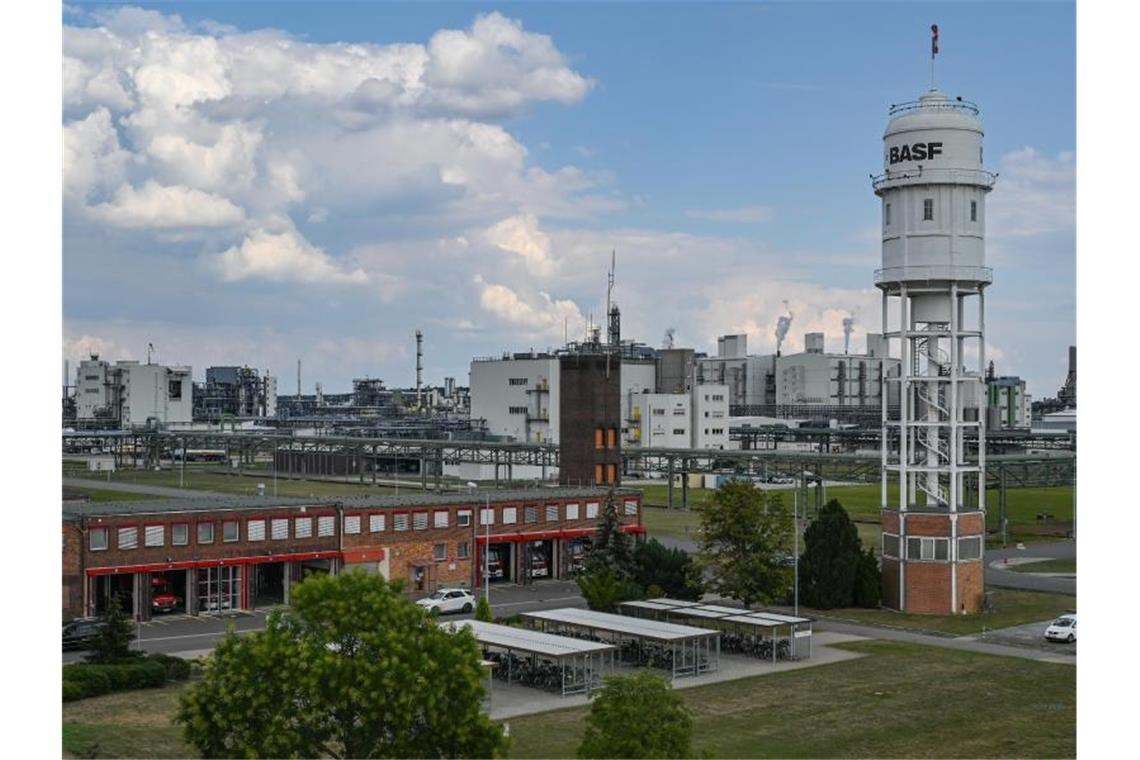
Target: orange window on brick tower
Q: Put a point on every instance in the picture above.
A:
(599, 434)
(611, 473)
(611, 438)
(598, 474)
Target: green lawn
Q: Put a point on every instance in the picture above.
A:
(882, 705)
(202, 480)
(1046, 566)
(1010, 608)
(902, 700)
(862, 503)
(127, 724)
(100, 494)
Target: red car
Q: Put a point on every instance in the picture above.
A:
(164, 602)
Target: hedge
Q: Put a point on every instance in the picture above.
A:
(84, 679)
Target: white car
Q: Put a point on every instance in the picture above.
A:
(1063, 628)
(448, 600)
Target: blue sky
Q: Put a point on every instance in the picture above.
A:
(723, 149)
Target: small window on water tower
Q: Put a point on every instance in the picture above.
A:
(887, 215)
(928, 210)
(973, 211)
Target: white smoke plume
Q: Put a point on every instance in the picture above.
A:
(848, 328)
(782, 326)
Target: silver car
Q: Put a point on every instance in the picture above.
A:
(448, 600)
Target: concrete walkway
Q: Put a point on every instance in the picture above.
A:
(509, 701)
(165, 491)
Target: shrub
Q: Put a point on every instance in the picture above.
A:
(81, 679)
(868, 581)
(177, 669)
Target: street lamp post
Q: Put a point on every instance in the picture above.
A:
(796, 550)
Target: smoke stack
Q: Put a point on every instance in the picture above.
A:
(419, 367)
(298, 379)
(669, 333)
(848, 328)
(782, 326)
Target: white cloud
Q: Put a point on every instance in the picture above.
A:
(544, 316)
(282, 257)
(742, 215)
(154, 206)
(521, 236)
(1035, 195)
(93, 159)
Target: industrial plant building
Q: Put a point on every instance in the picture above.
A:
(809, 385)
(236, 392)
(128, 394)
(241, 553)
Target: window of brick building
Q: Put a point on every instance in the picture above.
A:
(279, 529)
(611, 438)
(303, 527)
(530, 514)
(205, 533)
(97, 539)
(179, 534)
(464, 550)
(571, 511)
(487, 516)
(591, 510)
(255, 530)
(599, 474)
(439, 552)
(326, 526)
(631, 507)
(611, 473)
(352, 524)
(970, 547)
(552, 513)
(926, 549)
(128, 538)
(154, 535)
(441, 518)
(400, 521)
(510, 515)
(599, 434)
(890, 545)
(463, 518)
(419, 520)
(375, 523)
(230, 530)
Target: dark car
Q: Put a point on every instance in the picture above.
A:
(79, 633)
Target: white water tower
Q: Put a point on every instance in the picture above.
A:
(933, 278)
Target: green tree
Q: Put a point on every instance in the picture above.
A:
(604, 589)
(637, 716)
(744, 532)
(830, 562)
(353, 670)
(483, 610)
(670, 570)
(868, 581)
(113, 642)
(610, 548)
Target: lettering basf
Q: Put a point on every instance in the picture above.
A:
(915, 152)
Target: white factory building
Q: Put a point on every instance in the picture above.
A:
(697, 419)
(1008, 405)
(805, 384)
(129, 394)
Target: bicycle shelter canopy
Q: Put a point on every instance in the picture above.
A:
(582, 664)
(727, 620)
(690, 650)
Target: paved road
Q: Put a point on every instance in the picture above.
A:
(1060, 653)
(103, 485)
(170, 634)
(995, 576)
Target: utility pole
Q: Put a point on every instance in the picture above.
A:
(796, 550)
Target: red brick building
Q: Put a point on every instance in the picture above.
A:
(928, 575)
(214, 555)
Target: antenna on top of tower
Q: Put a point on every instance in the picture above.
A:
(610, 280)
(149, 351)
(933, 51)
